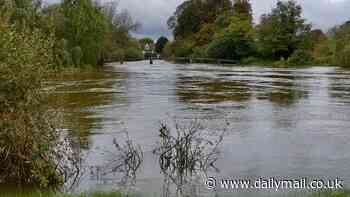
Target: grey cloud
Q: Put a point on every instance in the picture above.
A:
(153, 14)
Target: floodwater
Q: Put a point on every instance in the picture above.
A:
(286, 123)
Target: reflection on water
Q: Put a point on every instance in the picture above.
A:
(82, 96)
(284, 122)
(202, 90)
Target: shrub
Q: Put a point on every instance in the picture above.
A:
(230, 45)
(28, 134)
(343, 57)
(300, 58)
(183, 48)
(200, 52)
(133, 53)
(250, 60)
(168, 50)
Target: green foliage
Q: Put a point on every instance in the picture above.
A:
(160, 44)
(243, 9)
(168, 50)
(119, 55)
(200, 52)
(343, 56)
(217, 29)
(117, 42)
(28, 134)
(77, 55)
(182, 48)
(221, 29)
(205, 35)
(300, 58)
(235, 42)
(192, 14)
(85, 27)
(342, 45)
(144, 41)
(89, 32)
(323, 51)
(133, 53)
(282, 31)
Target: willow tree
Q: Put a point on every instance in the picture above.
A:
(85, 28)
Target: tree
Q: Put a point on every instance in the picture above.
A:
(243, 9)
(342, 45)
(282, 31)
(118, 42)
(234, 42)
(146, 41)
(160, 44)
(85, 27)
(192, 14)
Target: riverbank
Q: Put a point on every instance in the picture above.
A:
(248, 61)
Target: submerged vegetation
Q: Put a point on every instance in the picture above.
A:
(186, 154)
(225, 30)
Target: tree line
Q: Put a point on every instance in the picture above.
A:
(83, 32)
(225, 29)
(36, 40)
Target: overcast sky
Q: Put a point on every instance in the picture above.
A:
(153, 14)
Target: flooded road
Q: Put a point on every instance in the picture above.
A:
(284, 122)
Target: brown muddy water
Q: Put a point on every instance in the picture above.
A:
(286, 123)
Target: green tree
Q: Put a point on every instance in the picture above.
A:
(192, 14)
(160, 44)
(144, 41)
(234, 42)
(243, 9)
(205, 35)
(118, 44)
(342, 45)
(85, 27)
(282, 31)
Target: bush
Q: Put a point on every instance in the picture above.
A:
(300, 58)
(343, 57)
(133, 53)
(229, 45)
(183, 48)
(250, 60)
(28, 134)
(168, 51)
(200, 52)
